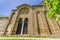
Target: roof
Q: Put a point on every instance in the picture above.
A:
(4, 17)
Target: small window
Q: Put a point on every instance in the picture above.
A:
(25, 28)
(19, 26)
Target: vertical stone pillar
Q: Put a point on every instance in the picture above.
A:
(35, 28)
(22, 26)
(30, 24)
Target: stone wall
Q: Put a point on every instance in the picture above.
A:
(3, 22)
(38, 23)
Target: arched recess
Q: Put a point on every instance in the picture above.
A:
(19, 28)
(37, 17)
(20, 11)
(41, 22)
(24, 9)
(25, 28)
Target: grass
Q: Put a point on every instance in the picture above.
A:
(22, 38)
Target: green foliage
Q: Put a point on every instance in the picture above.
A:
(53, 8)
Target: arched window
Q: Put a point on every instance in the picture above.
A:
(25, 28)
(19, 26)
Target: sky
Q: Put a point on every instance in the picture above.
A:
(7, 5)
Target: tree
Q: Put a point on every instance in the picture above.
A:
(53, 9)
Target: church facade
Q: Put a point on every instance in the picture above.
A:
(28, 20)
